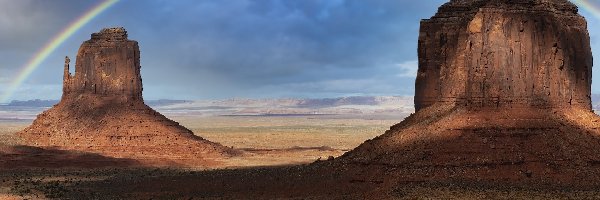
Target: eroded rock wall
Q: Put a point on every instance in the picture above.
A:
(495, 53)
(107, 65)
(502, 96)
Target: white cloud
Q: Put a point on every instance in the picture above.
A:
(408, 68)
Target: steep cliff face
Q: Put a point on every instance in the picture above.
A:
(502, 96)
(107, 65)
(498, 53)
(102, 111)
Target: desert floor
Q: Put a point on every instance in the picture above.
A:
(268, 141)
(290, 140)
(279, 152)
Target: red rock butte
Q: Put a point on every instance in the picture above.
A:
(498, 53)
(502, 95)
(102, 111)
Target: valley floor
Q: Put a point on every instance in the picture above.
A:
(266, 141)
(280, 161)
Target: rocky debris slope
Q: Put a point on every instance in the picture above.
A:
(102, 111)
(502, 95)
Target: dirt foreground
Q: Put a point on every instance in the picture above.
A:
(262, 172)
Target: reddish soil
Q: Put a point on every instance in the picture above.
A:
(511, 146)
(120, 130)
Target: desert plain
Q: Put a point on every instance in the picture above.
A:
(273, 145)
(295, 134)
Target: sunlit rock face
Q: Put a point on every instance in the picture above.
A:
(502, 96)
(500, 53)
(102, 111)
(108, 65)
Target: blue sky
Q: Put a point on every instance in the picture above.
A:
(215, 49)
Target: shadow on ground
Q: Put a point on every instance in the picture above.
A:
(14, 157)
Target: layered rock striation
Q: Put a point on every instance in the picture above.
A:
(502, 95)
(102, 111)
(108, 65)
(498, 53)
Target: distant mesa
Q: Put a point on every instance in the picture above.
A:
(102, 111)
(34, 103)
(49, 103)
(502, 95)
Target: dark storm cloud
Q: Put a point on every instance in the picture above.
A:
(25, 26)
(268, 44)
(198, 49)
(243, 48)
(22, 22)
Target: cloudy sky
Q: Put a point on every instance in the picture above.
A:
(214, 49)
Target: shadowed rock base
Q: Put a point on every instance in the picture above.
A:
(447, 143)
(121, 130)
(19, 157)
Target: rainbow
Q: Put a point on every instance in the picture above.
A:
(54, 43)
(591, 6)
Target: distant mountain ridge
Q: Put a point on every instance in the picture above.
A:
(298, 106)
(353, 105)
(329, 102)
(296, 102)
(34, 103)
(356, 105)
(50, 103)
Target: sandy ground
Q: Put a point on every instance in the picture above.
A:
(279, 163)
(271, 141)
(265, 140)
(8, 129)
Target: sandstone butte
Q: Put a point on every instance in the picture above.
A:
(502, 98)
(502, 95)
(102, 111)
